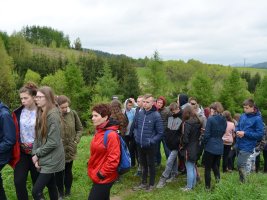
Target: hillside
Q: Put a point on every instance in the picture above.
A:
(260, 65)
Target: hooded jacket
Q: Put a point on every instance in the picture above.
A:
(104, 160)
(7, 134)
(148, 128)
(192, 131)
(215, 129)
(252, 125)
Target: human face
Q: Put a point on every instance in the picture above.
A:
(98, 119)
(248, 109)
(148, 103)
(175, 111)
(64, 107)
(129, 106)
(193, 103)
(212, 112)
(140, 102)
(27, 100)
(40, 99)
(159, 103)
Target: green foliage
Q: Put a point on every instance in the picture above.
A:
(7, 82)
(78, 44)
(202, 89)
(261, 97)
(57, 81)
(107, 85)
(156, 77)
(45, 36)
(32, 76)
(234, 92)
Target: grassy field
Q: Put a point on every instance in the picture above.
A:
(228, 188)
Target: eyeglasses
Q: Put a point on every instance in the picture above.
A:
(192, 103)
(39, 97)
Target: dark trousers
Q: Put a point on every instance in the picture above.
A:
(2, 190)
(100, 191)
(43, 180)
(231, 161)
(64, 179)
(21, 170)
(265, 160)
(211, 162)
(226, 153)
(68, 177)
(59, 177)
(148, 163)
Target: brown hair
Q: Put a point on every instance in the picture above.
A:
(146, 96)
(217, 107)
(116, 113)
(102, 109)
(41, 120)
(249, 102)
(173, 106)
(189, 113)
(30, 88)
(227, 115)
(61, 99)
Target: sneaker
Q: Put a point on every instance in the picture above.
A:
(171, 179)
(140, 187)
(150, 188)
(162, 182)
(186, 189)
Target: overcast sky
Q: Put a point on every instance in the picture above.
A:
(212, 31)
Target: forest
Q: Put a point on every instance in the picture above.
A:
(45, 56)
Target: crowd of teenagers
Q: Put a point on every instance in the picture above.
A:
(42, 135)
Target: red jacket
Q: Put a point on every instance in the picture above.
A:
(104, 160)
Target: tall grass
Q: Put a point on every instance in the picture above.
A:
(228, 188)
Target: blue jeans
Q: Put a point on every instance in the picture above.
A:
(171, 165)
(191, 174)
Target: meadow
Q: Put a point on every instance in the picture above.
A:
(228, 188)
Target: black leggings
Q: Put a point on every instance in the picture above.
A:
(42, 181)
(100, 191)
(21, 170)
(211, 162)
(226, 153)
(64, 178)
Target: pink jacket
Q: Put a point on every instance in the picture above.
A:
(228, 136)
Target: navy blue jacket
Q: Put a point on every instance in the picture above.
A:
(253, 127)
(7, 134)
(214, 131)
(148, 128)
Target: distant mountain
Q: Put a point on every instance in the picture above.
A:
(260, 65)
(242, 64)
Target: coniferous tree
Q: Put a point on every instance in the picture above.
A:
(261, 97)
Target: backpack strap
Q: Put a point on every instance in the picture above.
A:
(106, 137)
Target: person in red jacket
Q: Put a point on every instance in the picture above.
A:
(104, 159)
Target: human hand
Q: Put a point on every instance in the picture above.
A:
(34, 159)
(240, 134)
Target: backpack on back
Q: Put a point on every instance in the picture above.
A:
(125, 158)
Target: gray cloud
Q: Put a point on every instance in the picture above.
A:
(212, 31)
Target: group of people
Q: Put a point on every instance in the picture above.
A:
(187, 133)
(40, 137)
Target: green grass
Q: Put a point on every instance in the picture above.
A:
(228, 188)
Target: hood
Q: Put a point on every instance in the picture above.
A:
(4, 107)
(111, 124)
(183, 99)
(163, 100)
(255, 113)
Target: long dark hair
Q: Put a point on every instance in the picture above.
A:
(41, 120)
(189, 113)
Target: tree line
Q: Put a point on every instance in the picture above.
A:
(44, 55)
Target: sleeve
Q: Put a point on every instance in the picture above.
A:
(78, 127)
(53, 138)
(207, 131)
(258, 131)
(159, 129)
(9, 133)
(113, 155)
